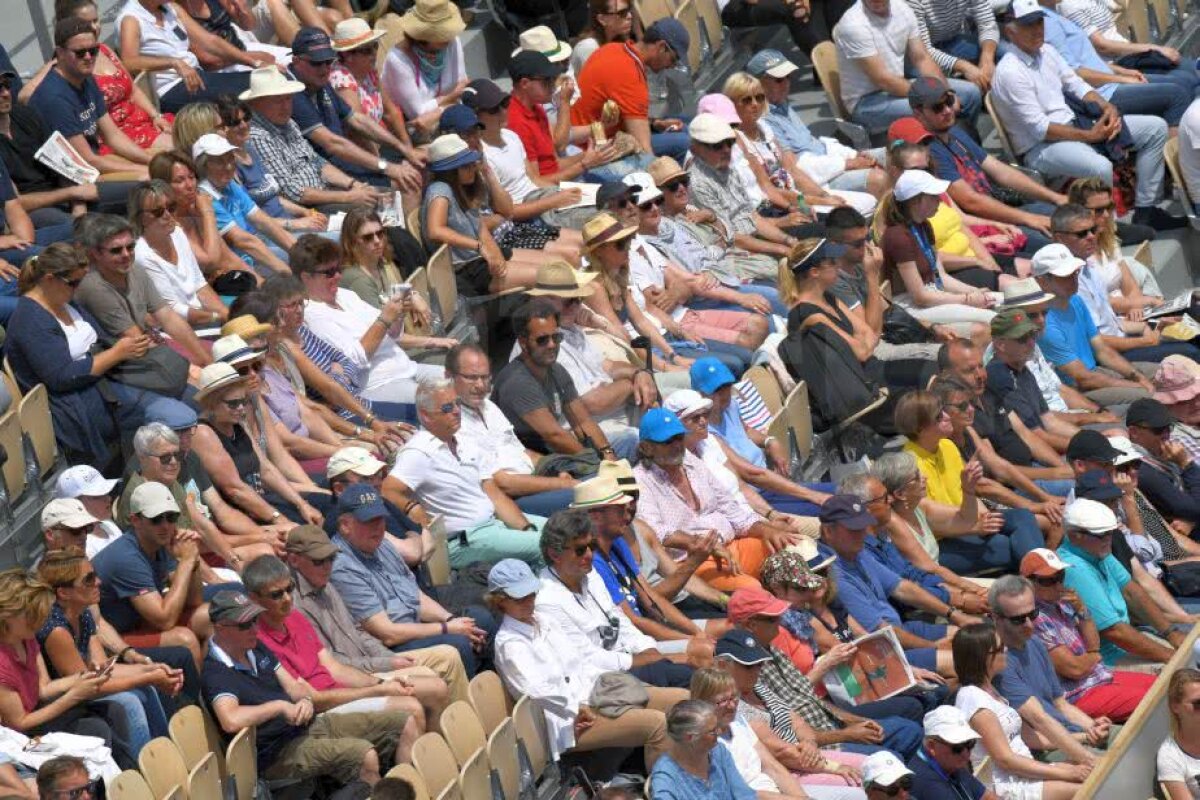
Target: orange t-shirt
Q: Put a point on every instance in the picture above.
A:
(614, 72)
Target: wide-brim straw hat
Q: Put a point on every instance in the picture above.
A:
(560, 279)
(432, 21)
(216, 378)
(269, 82)
(604, 228)
(246, 326)
(353, 33)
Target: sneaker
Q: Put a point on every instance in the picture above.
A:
(1158, 219)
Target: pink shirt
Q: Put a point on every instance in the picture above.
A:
(297, 647)
(21, 678)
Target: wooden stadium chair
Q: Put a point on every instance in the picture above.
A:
(241, 762)
(1137, 17)
(438, 563)
(710, 18)
(502, 755)
(825, 63)
(145, 81)
(176, 793)
(885, 289)
(476, 778)
(434, 759)
(13, 470)
(407, 772)
(162, 766)
(768, 387)
(34, 411)
(463, 731)
(489, 699)
(451, 792)
(530, 727)
(442, 286)
(650, 11)
(10, 380)
(796, 416)
(412, 223)
(204, 780)
(130, 785)
(1171, 156)
(196, 736)
(689, 17)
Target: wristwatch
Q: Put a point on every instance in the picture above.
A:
(382, 165)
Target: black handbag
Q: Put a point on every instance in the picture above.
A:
(1182, 578)
(901, 327)
(161, 370)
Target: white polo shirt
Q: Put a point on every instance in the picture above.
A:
(489, 440)
(444, 483)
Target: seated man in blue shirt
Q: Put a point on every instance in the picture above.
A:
(1096, 575)
(327, 121)
(1071, 342)
(1028, 681)
(72, 104)
(381, 592)
(1011, 386)
(867, 587)
(942, 767)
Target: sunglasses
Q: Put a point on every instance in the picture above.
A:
(319, 64)
(448, 408)
(746, 100)
(725, 145)
(902, 785)
(244, 626)
(90, 579)
(161, 211)
(5, 83)
(1036, 314)
(87, 790)
(170, 458)
(279, 593)
(621, 245)
(167, 516)
(236, 402)
(676, 185)
(74, 284)
(1021, 619)
(943, 104)
(325, 273)
(649, 204)
(963, 406)
(581, 550)
(1105, 209)
(86, 52)
(86, 529)
(255, 367)
(1047, 580)
(367, 49)
(1157, 431)
(1097, 534)
(370, 236)
(119, 249)
(620, 12)
(957, 749)
(322, 562)
(546, 338)
(1081, 234)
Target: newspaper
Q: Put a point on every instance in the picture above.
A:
(58, 154)
(1176, 305)
(879, 670)
(588, 191)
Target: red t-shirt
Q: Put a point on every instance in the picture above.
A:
(900, 246)
(533, 126)
(297, 647)
(21, 678)
(613, 72)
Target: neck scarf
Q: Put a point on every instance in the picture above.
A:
(431, 66)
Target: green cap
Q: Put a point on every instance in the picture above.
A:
(1012, 323)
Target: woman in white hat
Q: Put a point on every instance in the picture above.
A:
(425, 72)
(920, 281)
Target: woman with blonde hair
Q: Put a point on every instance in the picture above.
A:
(193, 121)
(1131, 286)
(1179, 754)
(30, 701)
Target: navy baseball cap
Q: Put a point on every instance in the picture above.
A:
(482, 93)
(363, 501)
(611, 190)
(738, 645)
(529, 64)
(1149, 413)
(709, 374)
(313, 44)
(659, 425)
(458, 118)
(848, 510)
(671, 31)
(1090, 445)
(1096, 484)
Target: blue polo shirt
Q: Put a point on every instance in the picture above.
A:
(865, 586)
(312, 110)
(71, 111)
(1076, 48)
(886, 552)
(1068, 337)
(232, 207)
(930, 781)
(733, 432)
(126, 571)
(959, 159)
(373, 583)
(1029, 672)
(1098, 582)
(254, 685)
(669, 781)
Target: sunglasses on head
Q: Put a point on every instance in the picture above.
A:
(546, 338)
(167, 516)
(1048, 580)
(279, 593)
(649, 204)
(1021, 619)
(86, 52)
(235, 402)
(170, 458)
(676, 185)
(902, 785)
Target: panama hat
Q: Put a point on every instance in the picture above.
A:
(269, 82)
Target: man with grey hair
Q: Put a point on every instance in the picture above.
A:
(433, 475)
(1028, 681)
(121, 296)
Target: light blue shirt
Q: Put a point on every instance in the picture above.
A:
(1076, 48)
(1098, 582)
(669, 781)
(791, 132)
(1094, 292)
(1068, 337)
(1027, 92)
(733, 433)
(370, 584)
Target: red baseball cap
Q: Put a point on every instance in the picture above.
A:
(908, 129)
(747, 603)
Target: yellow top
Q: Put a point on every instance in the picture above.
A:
(942, 471)
(948, 233)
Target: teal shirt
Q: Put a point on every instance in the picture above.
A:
(1099, 583)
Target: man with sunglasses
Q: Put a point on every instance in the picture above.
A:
(66, 778)
(1168, 476)
(942, 767)
(1028, 681)
(328, 122)
(1104, 586)
(885, 777)
(1066, 628)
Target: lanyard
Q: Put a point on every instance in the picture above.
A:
(958, 788)
(930, 254)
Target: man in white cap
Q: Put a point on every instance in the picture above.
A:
(885, 777)
(66, 523)
(84, 483)
(942, 767)
(1103, 584)
(1071, 341)
(136, 570)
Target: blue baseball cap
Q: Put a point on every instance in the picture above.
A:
(1097, 484)
(671, 31)
(363, 501)
(737, 644)
(458, 118)
(848, 510)
(313, 44)
(659, 425)
(514, 578)
(770, 62)
(709, 374)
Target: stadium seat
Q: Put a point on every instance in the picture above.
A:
(442, 286)
(196, 736)
(34, 411)
(502, 756)
(408, 772)
(768, 387)
(650, 11)
(14, 467)
(434, 759)
(796, 417)
(462, 730)
(204, 780)
(529, 725)
(412, 223)
(475, 781)
(241, 761)
(710, 18)
(11, 382)
(162, 766)
(489, 700)
(1171, 156)
(438, 563)
(1010, 152)
(825, 63)
(130, 785)
(698, 49)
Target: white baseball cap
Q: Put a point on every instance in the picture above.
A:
(152, 499)
(710, 129)
(353, 459)
(917, 181)
(66, 512)
(1055, 259)
(1128, 453)
(211, 144)
(647, 190)
(1090, 515)
(882, 768)
(83, 480)
(949, 724)
(686, 402)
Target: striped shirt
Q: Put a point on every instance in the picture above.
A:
(940, 20)
(334, 363)
(1092, 16)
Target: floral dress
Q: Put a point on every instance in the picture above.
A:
(131, 118)
(368, 89)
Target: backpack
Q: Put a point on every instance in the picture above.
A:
(838, 386)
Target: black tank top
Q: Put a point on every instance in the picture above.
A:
(241, 449)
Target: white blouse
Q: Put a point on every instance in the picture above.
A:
(178, 283)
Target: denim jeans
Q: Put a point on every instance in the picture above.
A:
(901, 736)
(912, 704)
(543, 504)
(1081, 160)
(1158, 352)
(1161, 97)
(967, 555)
(135, 716)
(215, 85)
(1058, 488)
(794, 505)
(472, 661)
(674, 144)
(42, 237)
(878, 110)
(738, 359)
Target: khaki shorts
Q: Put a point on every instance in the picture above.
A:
(335, 745)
